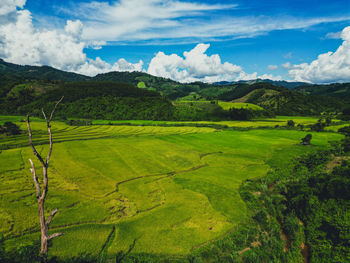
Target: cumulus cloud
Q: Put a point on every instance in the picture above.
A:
(22, 43)
(10, 6)
(93, 67)
(195, 65)
(63, 48)
(74, 28)
(272, 67)
(328, 67)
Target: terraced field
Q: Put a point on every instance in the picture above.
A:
(268, 122)
(162, 190)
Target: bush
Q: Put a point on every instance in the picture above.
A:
(306, 140)
(10, 128)
(290, 123)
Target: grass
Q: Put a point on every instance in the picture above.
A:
(223, 104)
(237, 105)
(164, 189)
(268, 122)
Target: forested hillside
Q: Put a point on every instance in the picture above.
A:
(27, 88)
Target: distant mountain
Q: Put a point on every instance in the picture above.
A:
(23, 85)
(38, 72)
(336, 90)
(281, 83)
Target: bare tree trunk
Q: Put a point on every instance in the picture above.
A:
(41, 193)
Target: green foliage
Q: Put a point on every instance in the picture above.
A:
(290, 123)
(9, 128)
(321, 201)
(307, 139)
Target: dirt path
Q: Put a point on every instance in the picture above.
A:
(337, 160)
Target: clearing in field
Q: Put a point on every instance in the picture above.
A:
(164, 189)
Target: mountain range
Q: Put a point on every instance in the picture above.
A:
(23, 87)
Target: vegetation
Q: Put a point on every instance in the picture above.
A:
(23, 88)
(97, 169)
(9, 128)
(146, 169)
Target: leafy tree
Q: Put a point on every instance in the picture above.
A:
(290, 123)
(306, 140)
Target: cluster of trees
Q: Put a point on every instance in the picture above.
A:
(345, 116)
(321, 200)
(9, 128)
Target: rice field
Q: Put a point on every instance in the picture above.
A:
(164, 190)
(259, 123)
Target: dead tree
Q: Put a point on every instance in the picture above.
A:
(41, 192)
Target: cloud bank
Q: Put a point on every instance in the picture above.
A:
(63, 48)
(22, 43)
(195, 65)
(328, 67)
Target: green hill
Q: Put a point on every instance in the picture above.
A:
(336, 90)
(21, 86)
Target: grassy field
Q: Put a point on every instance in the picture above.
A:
(237, 105)
(223, 104)
(268, 122)
(164, 189)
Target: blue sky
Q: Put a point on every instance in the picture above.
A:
(256, 36)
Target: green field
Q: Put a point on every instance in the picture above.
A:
(269, 122)
(238, 105)
(165, 189)
(223, 104)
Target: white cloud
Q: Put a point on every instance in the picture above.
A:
(74, 28)
(195, 65)
(136, 19)
(150, 20)
(96, 44)
(10, 6)
(270, 76)
(287, 65)
(22, 43)
(328, 67)
(93, 67)
(333, 35)
(272, 67)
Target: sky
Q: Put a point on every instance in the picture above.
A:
(217, 40)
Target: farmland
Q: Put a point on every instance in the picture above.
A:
(161, 190)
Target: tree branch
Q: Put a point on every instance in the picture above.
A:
(53, 213)
(49, 129)
(35, 178)
(31, 142)
(54, 235)
(54, 109)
